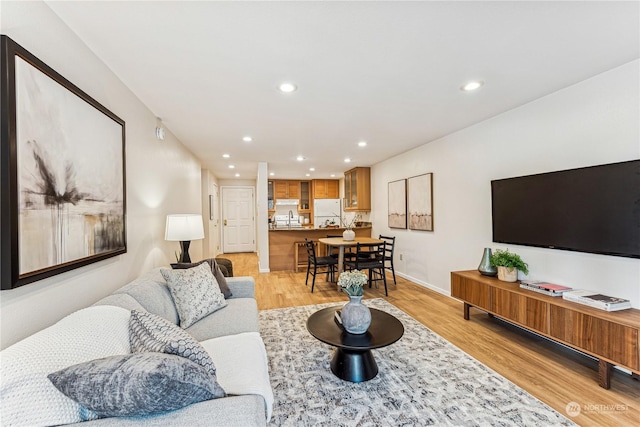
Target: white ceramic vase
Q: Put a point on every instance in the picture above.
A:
(348, 235)
(355, 316)
(507, 274)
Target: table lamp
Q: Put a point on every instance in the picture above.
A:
(183, 228)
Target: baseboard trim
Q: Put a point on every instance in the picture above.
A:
(423, 283)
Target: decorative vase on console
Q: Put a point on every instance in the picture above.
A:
(355, 316)
(485, 268)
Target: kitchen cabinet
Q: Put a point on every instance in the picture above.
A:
(326, 188)
(357, 189)
(305, 197)
(286, 189)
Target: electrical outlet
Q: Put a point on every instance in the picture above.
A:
(401, 257)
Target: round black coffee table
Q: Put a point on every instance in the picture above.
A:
(353, 360)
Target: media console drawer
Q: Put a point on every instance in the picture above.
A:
(615, 342)
(612, 337)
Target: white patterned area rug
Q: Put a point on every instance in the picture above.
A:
(423, 380)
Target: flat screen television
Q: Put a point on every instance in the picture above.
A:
(593, 209)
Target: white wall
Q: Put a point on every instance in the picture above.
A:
(593, 122)
(162, 177)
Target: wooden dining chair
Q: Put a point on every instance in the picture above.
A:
(370, 256)
(324, 262)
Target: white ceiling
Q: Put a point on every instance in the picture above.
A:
(388, 72)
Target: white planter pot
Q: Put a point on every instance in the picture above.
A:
(507, 274)
(348, 235)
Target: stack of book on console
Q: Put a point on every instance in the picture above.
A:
(596, 300)
(544, 287)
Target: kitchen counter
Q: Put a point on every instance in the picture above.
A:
(281, 244)
(304, 228)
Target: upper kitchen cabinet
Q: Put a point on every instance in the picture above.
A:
(286, 189)
(326, 188)
(357, 190)
(305, 197)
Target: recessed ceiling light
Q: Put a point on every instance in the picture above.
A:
(226, 156)
(247, 139)
(312, 169)
(333, 175)
(287, 87)
(231, 167)
(347, 160)
(299, 158)
(237, 175)
(362, 144)
(472, 85)
(308, 174)
(272, 173)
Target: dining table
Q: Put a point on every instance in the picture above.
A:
(340, 243)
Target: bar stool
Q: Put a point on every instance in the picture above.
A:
(296, 254)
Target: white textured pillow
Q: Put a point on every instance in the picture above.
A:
(195, 292)
(28, 397)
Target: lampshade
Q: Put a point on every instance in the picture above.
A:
(183, 227)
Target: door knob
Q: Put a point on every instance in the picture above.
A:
(225, 222)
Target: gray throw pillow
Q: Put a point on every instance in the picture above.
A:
(215, 269)
(148, 332)
(195, 293)
(136, 384)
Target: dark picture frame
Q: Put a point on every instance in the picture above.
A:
(397, 212)
(62, 173)
(420, 202)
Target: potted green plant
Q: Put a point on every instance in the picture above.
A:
(508, 265)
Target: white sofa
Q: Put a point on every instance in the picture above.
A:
(230, 336)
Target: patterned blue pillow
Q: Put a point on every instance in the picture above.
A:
(148, 332)
(195, 293)
(136, 384)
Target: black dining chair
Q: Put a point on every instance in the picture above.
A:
(370, 256)
(388, 254)
(326, 262)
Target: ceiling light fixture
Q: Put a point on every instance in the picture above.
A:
(287, 87)
(308, 174)
(231, 167)
(333, 175)
(272, 173)
(347, 160)
(471, 86)
(312, 169)
(237, 175)
(247, 139)
(299, 158)
(226, 156)
(159, 129)
(362, 144)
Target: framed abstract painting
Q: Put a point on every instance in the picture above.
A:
(62, 181)
(397, 214)
(420, 190)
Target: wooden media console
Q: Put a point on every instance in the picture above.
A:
(611, 337)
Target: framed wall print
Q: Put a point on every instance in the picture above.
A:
(420, 191)
(398, 204)
(62, 173)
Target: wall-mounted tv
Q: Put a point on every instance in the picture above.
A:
(593, 209)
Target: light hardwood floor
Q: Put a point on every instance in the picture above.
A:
(550, 372)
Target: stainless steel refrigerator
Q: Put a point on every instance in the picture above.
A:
(326, 210)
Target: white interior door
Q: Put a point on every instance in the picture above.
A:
(238, 219)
